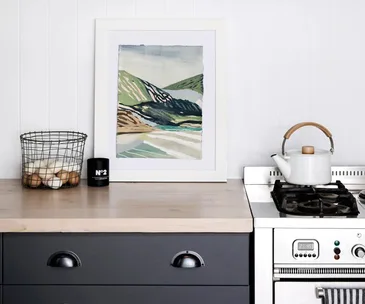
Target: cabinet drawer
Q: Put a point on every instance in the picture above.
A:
(133, 259)
(126, 295)
(1, 266)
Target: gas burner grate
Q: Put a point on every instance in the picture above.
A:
(329, 200)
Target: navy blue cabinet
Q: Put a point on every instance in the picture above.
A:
(125, 268)
(125, 294)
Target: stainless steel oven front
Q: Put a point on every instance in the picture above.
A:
(319, 266)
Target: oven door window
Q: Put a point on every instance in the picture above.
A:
(305, 292)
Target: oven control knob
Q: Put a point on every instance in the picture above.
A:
(359, 251)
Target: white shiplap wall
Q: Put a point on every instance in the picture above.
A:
(288, 61)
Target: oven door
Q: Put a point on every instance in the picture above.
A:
(307, 292)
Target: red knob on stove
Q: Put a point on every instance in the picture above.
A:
(337, 257)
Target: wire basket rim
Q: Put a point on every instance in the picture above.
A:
(81, 136)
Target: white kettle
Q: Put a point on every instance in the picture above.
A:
(307, 166)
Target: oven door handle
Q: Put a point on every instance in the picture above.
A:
(319, 292)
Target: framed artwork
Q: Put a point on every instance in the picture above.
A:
(159, 99)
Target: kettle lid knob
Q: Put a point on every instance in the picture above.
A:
(307, 150)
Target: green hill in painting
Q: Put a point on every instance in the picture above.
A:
(131, 89)
(153, 104)
(174, 113)
(193, 83)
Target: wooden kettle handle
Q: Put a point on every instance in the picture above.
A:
(304, 124)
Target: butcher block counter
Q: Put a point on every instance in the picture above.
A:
(127, 207)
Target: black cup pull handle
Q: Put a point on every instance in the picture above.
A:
(64, 259)
(187, 259)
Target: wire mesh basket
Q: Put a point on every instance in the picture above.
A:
(52, 159)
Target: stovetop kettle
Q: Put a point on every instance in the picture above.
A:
(308, 166)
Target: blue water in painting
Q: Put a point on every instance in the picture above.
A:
(177, 128)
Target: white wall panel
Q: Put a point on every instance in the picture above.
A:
(151, 9)
(34, 89)
(9, 89)
(213, 8)
(178, 8)
(63, 64)
(88, 10)
(296, 61)
(120, 8)
(287, 61)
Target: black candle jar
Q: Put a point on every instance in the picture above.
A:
(98, 172)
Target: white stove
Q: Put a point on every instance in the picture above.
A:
(309, 254)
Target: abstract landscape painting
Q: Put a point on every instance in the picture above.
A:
(160, 96)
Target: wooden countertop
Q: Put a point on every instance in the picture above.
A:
(126, 207)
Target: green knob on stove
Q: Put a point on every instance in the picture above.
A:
(337, 243)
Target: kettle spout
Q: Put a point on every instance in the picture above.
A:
(282, 164)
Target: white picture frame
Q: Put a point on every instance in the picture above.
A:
(110, 33)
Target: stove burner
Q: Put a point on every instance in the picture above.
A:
(313, 207)
(328, 200)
